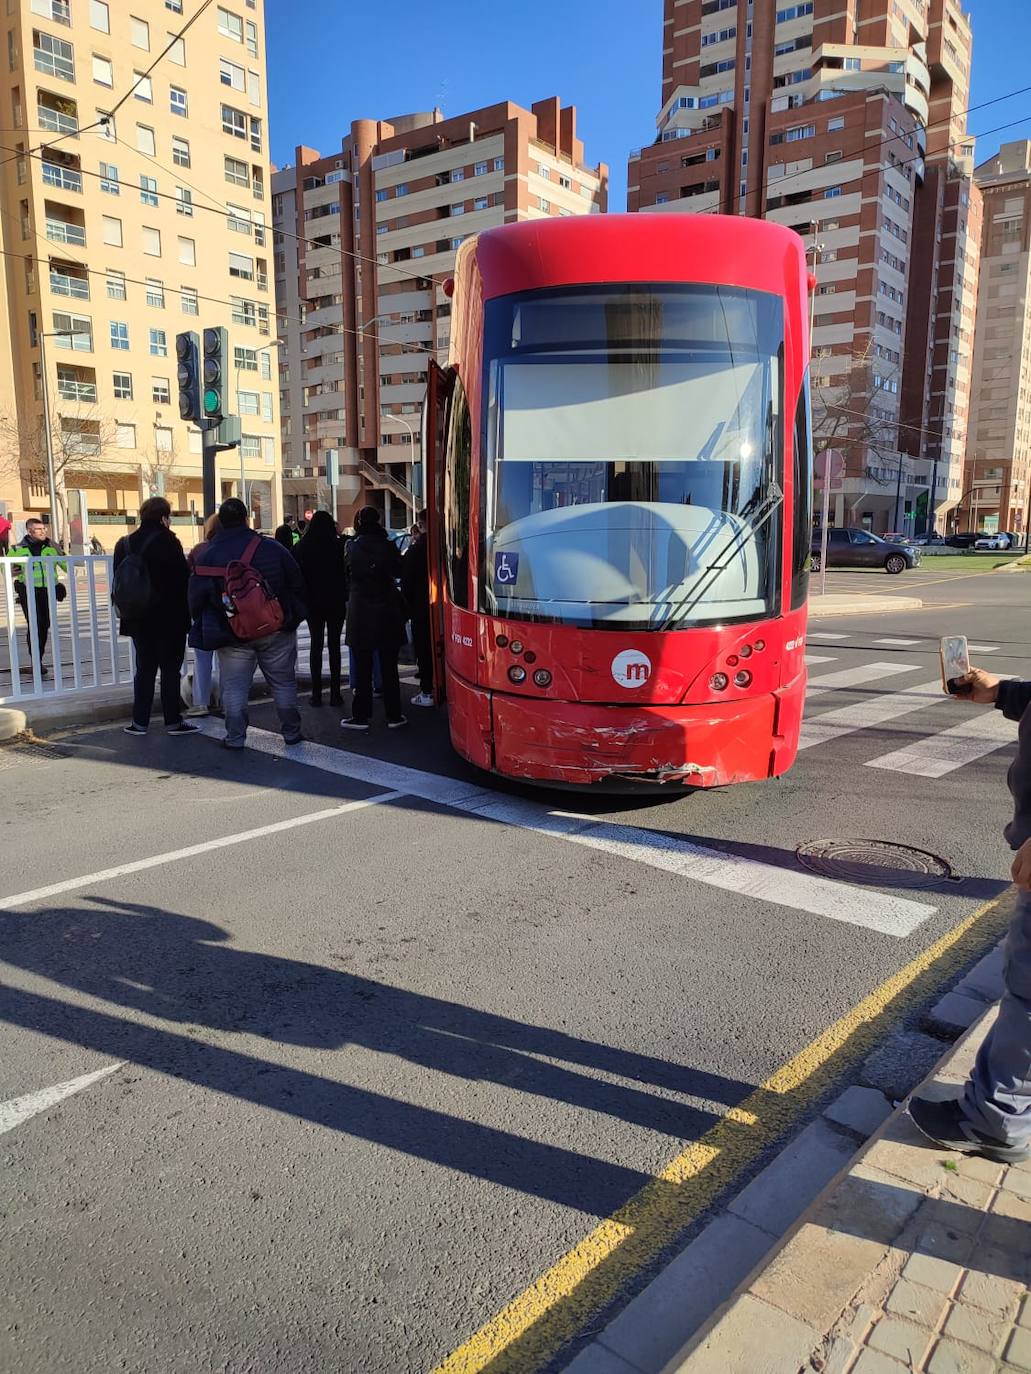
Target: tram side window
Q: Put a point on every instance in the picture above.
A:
(803, 514)
(458, 472)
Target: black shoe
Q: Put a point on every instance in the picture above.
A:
(350, 723)
(397, 724)
(134, 729)
(185, 727)
(316, 699)
(944, 1123)
(235, 748)
(335, 699)
(293, 739)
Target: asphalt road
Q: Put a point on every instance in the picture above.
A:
(398, 1042)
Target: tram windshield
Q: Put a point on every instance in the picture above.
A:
(633, 455)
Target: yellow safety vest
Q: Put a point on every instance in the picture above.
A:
(38, 569)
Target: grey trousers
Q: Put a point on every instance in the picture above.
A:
(276, 656)
(997, 1098)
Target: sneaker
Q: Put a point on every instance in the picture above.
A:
(293, 739)
(183, 728)
(316, 698)
(134, 729)
(196, 711)
(944, 1123)
(236, 748)
(397, 724)
(349, 723)
(423, 699)
(44, 671)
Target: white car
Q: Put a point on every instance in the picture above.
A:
(993, 541)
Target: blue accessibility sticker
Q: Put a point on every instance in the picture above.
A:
(506, 569)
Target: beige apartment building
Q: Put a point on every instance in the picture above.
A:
(845, 120)
(118, 231)
(364, 241)
(998, 484)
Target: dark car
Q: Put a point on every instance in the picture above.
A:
(848, 548)
(962, 541)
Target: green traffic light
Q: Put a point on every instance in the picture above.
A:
(211, 402)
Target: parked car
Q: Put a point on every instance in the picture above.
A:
(993, 541)
(847, 548)
(926, 540)
(962, 541)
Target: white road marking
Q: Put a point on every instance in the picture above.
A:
(104, 875)
(897, 643)
(864, 715)
(20, 1109)
(854, 677)
(983, 648)
(812, 659)
(823, 634)
(877, 911)
(936, 755)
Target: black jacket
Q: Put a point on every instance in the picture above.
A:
(166, 563)
(376, 612)
(324, 568)
(415, 580)
(210, 629)
(1012, 701)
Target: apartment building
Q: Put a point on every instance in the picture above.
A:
(844, 119)
(364, 241)
(132, 206)
(998, 483)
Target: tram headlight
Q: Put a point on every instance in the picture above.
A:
(745, 651)
(742, 679)
(542, 677)
(501, 641)
(517, 673)
(718, 682)
(760, 645)
(529, 656)
(516, 646)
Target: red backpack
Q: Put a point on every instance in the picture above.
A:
(251, 607)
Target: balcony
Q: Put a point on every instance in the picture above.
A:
(64, 231)
(69, 284)
(58, 116)
(61, 178)
(57, 10)
(74, 385)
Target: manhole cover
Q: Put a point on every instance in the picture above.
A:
(873, 861)
(23, 751)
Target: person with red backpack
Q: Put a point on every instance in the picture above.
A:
(247, 599)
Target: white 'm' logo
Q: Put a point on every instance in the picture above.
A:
(631, 669)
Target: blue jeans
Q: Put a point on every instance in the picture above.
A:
(997, 1098)
(276, 656)
(377, 671)
(203, 671)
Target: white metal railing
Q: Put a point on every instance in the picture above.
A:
(61, 284)
(64, 178)
(71, 390)
(83, 645)
(57, 122)
(63, 231)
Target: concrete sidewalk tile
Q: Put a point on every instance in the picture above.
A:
(984, 1330)
(988, 1291)
(1016, 1181)
(869, 1204)
(961, 1060)
(933, 1273)
(1024, 1315)
(785, 1188)
(935, 1237)
(663, 1318)
(952, 1358)
(901, 1339)
(985, 978)
(817, 1273)
(1018, 1349)
(922, 1305)
(838, 1356)
(955, 1012)
(863, 1110)
(914, 1159)
(874, 1362)
(597, 1360)
(752, 1338)
(984, 1170)
(969, 1191)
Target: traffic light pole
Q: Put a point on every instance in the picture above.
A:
(209, 447)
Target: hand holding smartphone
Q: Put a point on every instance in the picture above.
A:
(955, 662)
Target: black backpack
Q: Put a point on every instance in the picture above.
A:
(133, 589)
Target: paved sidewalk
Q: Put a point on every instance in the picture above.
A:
(915, 1259)
(839, 603)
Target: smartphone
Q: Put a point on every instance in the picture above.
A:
(955, 660)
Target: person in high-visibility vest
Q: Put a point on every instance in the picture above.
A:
(35, 544)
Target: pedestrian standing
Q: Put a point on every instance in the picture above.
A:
(149, 592)
(5, 534)
(992, 1116)
(203, 659)
(415, 584)
(320, 556)
(376, 616)
(285, 535)
(35, 545)
(248, 596)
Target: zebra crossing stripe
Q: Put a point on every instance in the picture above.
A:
(854, 677)
(897, 643)
(864, 715)
(983, 648)
(823, 634)
(936, 755)
(812, 659)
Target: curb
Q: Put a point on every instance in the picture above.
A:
(861, 605)
(12, 723)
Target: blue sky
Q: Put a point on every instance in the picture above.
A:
(468, 53)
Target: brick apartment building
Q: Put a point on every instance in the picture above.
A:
(998, 483)
(364, 241)
(844, 119)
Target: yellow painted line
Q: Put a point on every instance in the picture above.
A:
(525, 1335)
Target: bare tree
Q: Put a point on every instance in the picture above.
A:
(80, 443)
(847, 418)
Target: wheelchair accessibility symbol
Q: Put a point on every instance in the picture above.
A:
(506, 568)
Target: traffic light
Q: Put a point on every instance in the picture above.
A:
(187, 350)
(216, 343)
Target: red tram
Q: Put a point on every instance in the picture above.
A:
(618, 473)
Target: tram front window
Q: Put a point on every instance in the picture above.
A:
(634, 456)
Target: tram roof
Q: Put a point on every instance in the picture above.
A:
(726, 250)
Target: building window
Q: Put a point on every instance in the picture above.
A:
(480, 203)
(145, 141)
(234, 122)
(252, 38)
(163, 439)
(480, 169)
(151, 242)
(831, 192)
(189, 301)
(109, 178)
(143, 89)
(180, 152)
(247, 402)
(120, 336)
(176, 50)
(256, 134)
(188, 252)
(237, 172)
(139, 33)
(177, 101)
(99, 17)
(241, 266)
(155, 293)
(499, 164)
(546, 205)
(158, 343)
(380, 195)
(242, 311)
(458, 174)
(123, 386)
(115, 285)
(246, 359)
(125, 436)
(75, 331)
(148, 190)
(231, 74)
(230, 25)
(53, 56)
(183, 201)
(112, 230)
(838, 122)
(103, 71)
(160, 391)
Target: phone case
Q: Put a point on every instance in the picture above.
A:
(955, 659)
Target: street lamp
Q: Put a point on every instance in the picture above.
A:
(49, 438)
(388, 415)
(276, 343)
